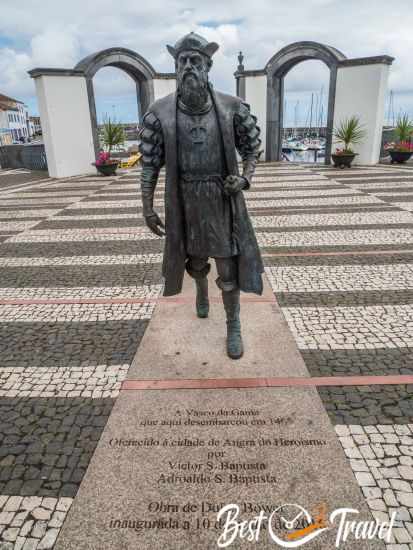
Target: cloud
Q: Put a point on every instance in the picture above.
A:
(56, 33)
(13, 69)
(50, 48)
(56, 48)
(306, 77)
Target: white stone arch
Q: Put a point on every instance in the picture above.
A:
(357, 87)
(276, 69)
(133, 64)
(67, 105)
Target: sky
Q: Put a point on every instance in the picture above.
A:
(57, 33)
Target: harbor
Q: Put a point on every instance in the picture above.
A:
(297, 147)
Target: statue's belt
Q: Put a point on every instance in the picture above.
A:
(185, 177)
(191, 178)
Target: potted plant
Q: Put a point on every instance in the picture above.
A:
(105, 165)
(350, 132)
(113, 136)
(402, 150)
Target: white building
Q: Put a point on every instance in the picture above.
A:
(5, 133)
(35, 125)
(14, 121)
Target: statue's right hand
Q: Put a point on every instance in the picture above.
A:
(154, 222)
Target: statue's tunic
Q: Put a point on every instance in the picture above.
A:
(159, 144)
(207, 210)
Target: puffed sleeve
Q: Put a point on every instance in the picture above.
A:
(247, 140)
(152, 149)
(151, 141)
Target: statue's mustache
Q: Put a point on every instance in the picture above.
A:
(191, 81)
(188, 74)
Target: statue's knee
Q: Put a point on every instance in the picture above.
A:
(227, 274)
(197, 268)
(226, 286)
(227, 268)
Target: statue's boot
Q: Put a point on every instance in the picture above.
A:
(198, 269)
(235, 348)
(202, 302)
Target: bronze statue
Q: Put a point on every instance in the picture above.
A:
(195, 132)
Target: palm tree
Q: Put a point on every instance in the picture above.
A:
(404, 127)
(113, 134)
(350, 132)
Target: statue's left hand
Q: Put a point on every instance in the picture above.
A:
(154, 222)
(233, 184)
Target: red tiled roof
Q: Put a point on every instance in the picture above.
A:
(7, 99)
(7, 106)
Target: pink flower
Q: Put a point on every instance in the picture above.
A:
(103, 158)
(404, 146)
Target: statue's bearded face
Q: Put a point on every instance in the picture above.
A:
(192, 77)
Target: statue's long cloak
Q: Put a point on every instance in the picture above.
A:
(250, 265)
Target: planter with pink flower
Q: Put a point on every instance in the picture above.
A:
(342, 158)
(113, 136)
(402, 150)
(105, 165)
(350, 132)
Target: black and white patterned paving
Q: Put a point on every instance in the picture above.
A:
(79, 278)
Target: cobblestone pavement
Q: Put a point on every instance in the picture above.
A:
(381, 457)
(343, 279)
(338, 251)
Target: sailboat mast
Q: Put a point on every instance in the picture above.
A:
(390, 111)
(296, 117)
(311, 114)
(320, 120)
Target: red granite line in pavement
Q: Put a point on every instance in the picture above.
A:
(214, 299)
(172, 300)
(41, 301)
(233, 383)
(347, 253)
(94, 230)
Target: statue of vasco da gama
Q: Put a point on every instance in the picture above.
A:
(195, 132)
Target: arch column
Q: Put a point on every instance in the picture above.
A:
(275, 117)
(65, 116)
(252, 88)
(361, 91)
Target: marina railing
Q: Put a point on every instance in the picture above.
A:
(29, 156)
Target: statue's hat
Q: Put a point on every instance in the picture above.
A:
(193, 41)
